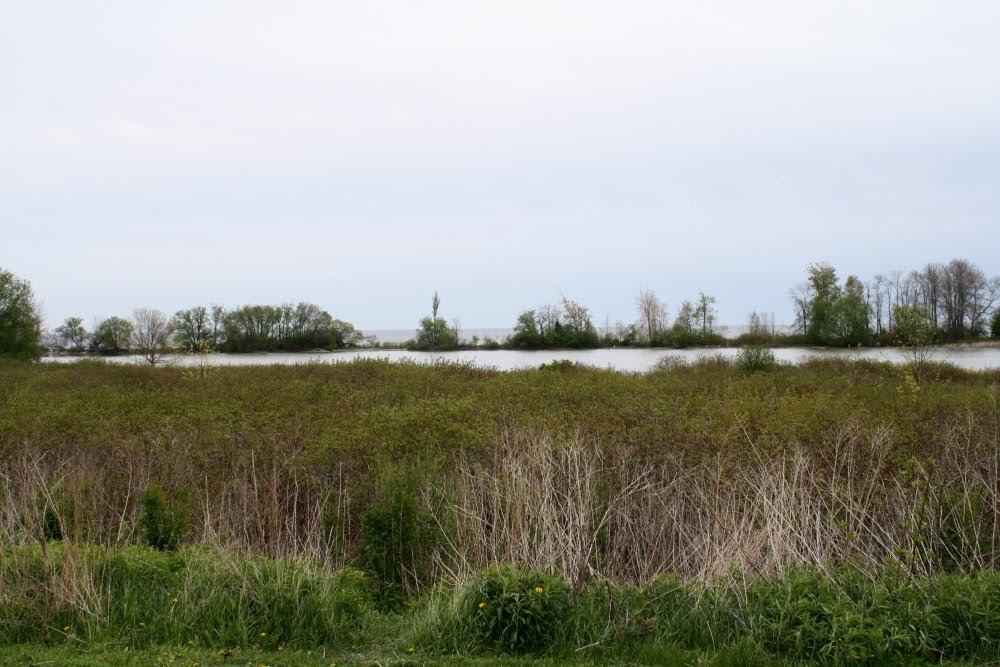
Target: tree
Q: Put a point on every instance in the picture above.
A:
(194, 329)
(111, 336)
(915, 331)
(851, 313)
(434, 332)
(652, 313)
(72, 333)
(704, 313)
(526, 334)
(20, 322)
(825, 294)
(995, 324)
(577, 327)
(801, 296)
(685, 320)
(877, 300)
(151, 331)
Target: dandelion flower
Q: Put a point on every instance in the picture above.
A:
(538, 589)
(409, 650)
(482, 604)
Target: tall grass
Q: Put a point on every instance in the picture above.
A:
(136, 596)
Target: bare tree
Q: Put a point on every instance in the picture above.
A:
(876, 296)
(652, 313)
(549, 315)
(802, 295)
(151, 331)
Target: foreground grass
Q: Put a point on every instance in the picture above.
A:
(88, 604)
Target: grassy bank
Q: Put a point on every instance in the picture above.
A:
(82, 598)
(419, 478)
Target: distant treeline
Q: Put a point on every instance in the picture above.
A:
(249, 328)
(940, 303)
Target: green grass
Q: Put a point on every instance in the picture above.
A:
(85, 604)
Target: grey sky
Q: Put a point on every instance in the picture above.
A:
(362, 154)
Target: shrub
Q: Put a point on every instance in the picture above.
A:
(397, 536)
(163, 524)
(753, 358)
(557, 365)
(511, 609)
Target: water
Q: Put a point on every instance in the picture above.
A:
(622, 359)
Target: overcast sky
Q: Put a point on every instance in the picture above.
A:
(360, 155)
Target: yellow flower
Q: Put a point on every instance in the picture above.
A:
(263, 634)
(66, 629)
(482, 604)
(538, 589)
(174, 600)
(409, 650)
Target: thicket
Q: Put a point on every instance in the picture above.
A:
(883, 487)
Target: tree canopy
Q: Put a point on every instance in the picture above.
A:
(20, 322)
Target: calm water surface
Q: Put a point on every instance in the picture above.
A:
(623, 359)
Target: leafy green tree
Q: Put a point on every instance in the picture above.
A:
(435, 334)
(995, 324)
(851, 313)
(20, 322)
(576, 327)
(822, 327)
(526, 334)
(195, 329)
(72, 333)
(303, 326)
(915, 331)
(112, 336)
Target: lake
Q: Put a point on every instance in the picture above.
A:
(623, 359)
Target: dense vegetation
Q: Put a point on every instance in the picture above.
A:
(20, 323)
(837, 511)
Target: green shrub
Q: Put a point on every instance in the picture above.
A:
(397, 536)
(753, 358)
(510, 609)
(557, 366)
(163, 524)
